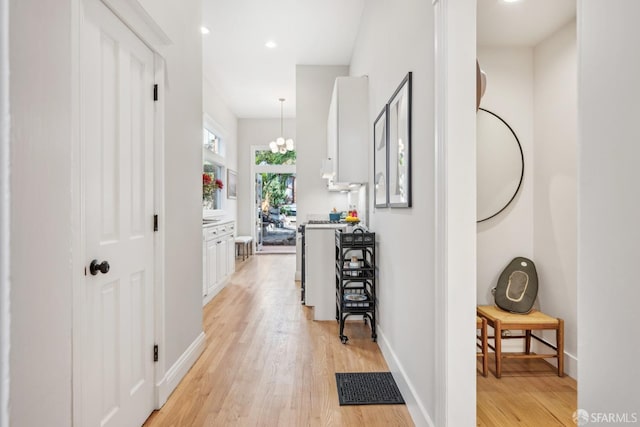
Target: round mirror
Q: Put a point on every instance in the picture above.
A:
(500, 164)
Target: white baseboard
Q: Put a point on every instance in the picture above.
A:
(517, 345)
(417, 410)
(571, 365)
(570, 361)
(176, 373)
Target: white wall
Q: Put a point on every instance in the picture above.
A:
(183, 172)
(608, 206)
(4, 214)
(41, 86)
(395, 38)
(226, 122)
(41, 276)
(509, 94)
(255, 132)
(555, 181)
(314, 85)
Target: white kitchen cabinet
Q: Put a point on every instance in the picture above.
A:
(216, 247)
(348, 131)
(231, 254)
(221, 260)
(212, 256)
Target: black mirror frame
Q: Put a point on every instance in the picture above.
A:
(515, 193)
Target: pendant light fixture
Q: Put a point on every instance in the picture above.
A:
(281, 145)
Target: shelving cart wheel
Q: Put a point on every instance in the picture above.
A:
(365, 320)
(374, 338)
(344, 339)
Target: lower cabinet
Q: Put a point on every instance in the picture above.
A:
(211, 249)
(231, 254)
(221, 259)
(218, 247)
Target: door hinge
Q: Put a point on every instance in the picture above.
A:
(155, 353)
(155, 92)
(155, 222)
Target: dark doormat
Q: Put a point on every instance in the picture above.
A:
(367, 388)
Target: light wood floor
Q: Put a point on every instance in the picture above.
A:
(529, 394)
(266, 363)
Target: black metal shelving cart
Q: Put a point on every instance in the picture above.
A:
(356, 278)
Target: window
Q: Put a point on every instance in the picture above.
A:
(211, 142)
(212, 184)
(266, 157)
(213, 170)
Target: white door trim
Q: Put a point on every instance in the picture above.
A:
(77, 219)
(135, 17)
(5, 331)
(455, 264)
(160, 368)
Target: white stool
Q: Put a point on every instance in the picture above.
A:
(244, 242)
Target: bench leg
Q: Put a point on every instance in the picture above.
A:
(497, 333)
(560, 346)
(527, 342)
(485, 348)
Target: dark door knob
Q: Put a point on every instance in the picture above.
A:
(95, 267)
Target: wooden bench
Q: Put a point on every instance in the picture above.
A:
(244, 242)
(501, 320)
(483, 344)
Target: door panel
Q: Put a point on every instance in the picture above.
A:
(117, 141)
(221, 261)
(212, 256)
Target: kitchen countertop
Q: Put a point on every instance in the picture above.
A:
(222, 221)
(332, 226)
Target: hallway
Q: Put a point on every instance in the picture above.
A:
(267, 363)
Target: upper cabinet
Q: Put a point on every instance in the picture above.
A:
(347, 132)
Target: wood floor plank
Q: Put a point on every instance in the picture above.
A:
(528, 394)
(267, 363)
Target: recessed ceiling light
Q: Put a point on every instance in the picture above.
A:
(204, 30)
(271, 44)
(510, 1)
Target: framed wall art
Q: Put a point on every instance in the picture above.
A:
(232, 184)
(399, 134)
(380, 165)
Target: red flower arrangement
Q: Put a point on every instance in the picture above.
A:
(209, 185)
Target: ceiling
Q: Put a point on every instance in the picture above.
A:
(522, 23)
(251, 77)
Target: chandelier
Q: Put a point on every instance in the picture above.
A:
(281, 145)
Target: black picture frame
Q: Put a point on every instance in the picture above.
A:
(380, 155)
(399, 146)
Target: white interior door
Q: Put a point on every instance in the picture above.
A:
(117, 73)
